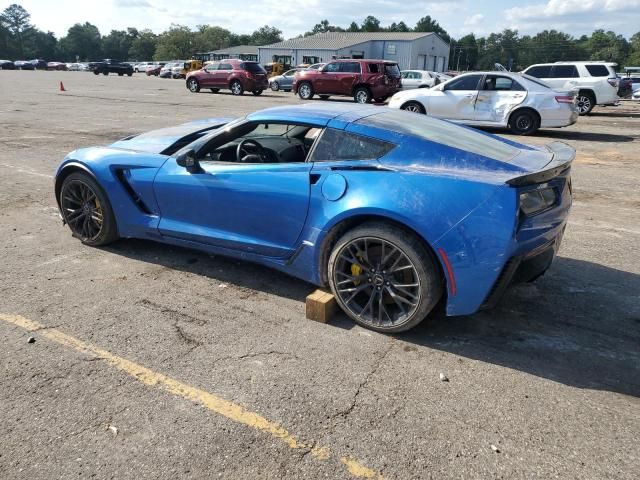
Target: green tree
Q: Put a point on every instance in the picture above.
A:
(82, 41)
(118, 43)
(370, 24)
(210, 38)
(608, 46)
(242, 39)
(353, 27)
(428, 24)
(16, 20)
(176, 43)
(143, 47)
(266, 35)
(323, 27)
(634, 51)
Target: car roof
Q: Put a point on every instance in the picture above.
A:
(322, 113)
(369, 60)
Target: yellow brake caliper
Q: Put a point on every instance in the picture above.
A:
(356, 271)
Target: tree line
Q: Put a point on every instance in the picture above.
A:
(19, 39)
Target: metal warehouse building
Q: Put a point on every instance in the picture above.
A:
(412, 50)
(243, 52)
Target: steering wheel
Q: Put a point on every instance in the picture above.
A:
(250, 151)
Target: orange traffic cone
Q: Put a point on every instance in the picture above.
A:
(62, 87)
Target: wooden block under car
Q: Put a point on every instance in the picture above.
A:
(321, 306)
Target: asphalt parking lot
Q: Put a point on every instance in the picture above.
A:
(156, 362)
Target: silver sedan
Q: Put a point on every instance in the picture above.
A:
(284, 81)
(493, 99)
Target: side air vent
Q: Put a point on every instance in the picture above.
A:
(121, 175)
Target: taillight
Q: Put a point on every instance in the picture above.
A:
(564, 98)
(613, 82)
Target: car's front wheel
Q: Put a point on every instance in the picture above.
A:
(523, 122)
(193, 85)
(305, 91)
(275, 86)
(87, 210)
(236, 87)
(415, 107)
(383, 277)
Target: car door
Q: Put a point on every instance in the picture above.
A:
(564, 77)
(327, 80)
(287, 79)
(410, 80)
(256, 208)
(349, 75)
(455, 100)
(221, 75)
(209, 77)
(497, 97)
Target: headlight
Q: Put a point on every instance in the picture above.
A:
(534, 201)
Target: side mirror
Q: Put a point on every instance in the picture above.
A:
(189, 161)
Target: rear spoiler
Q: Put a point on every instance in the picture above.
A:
(563, 155)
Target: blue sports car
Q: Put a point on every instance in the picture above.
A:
(395, 211)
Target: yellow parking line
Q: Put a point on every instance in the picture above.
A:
(214, 403)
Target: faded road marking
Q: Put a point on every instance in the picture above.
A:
(214, 403)
(28, 172)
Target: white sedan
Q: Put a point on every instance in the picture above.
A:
(493, 99)
(421, 79)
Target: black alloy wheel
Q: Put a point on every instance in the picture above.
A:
(384, 278)
(87, 211)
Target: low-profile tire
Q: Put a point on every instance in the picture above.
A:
(324, 97)
(193, 85)
(362, 95)
(214, 90)
(523, 122)
(87, 211)
(305, 91)
(236, 87)
(275, 86)
(384, 277)
(585, 102)
(415, 107)
(257, 93)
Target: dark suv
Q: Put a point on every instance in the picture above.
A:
(236, 75)
(361, 79)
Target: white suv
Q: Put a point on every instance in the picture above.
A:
(596, 82)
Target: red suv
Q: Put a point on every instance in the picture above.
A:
(236, 75)
(362, 79)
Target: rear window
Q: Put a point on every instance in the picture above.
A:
(541, 71)
(340, 145)
(253, 67)
(598, 70)
(564, 71)
(442, 132)
(373, 68)
(392, 70)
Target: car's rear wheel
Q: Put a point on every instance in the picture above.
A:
(383, 277)
(415, 107)
(585, 103)
(105, 72)
(87, 210)
(236, 87)
(523, 122)
(193, 85)
(257, 92)
(96, 72)
(305, 91)
(275, 86)
(362, 95)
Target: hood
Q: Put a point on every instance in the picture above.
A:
(167, 140)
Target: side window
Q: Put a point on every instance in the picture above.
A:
(332, 67)
(373, 68)
(340, 145)
(350, 67)
(541, 71)
(564, 71)
(598, 70)
(210, 68)
(225, 66)
(468, 82)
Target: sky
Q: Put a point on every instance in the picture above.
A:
(294, 17)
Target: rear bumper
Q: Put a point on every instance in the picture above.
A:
(523, 268)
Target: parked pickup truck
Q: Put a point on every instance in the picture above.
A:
(108, 66)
